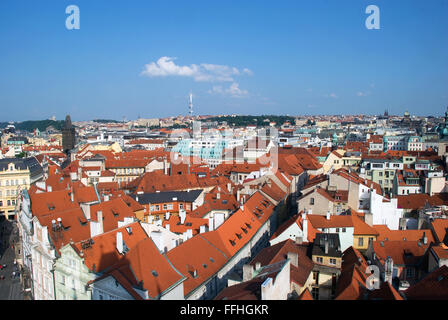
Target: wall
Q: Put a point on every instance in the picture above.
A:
(71, 276)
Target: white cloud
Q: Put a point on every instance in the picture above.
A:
(248, 72)
(333, 95)
(204, 72)
(362, 94)
(233, 91)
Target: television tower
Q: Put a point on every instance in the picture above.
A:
(190, 104)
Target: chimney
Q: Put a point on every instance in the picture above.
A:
(189, 234)
(266, 289)
(59, 222)
(218, 196)
(120, 242)
(167, 227)
(157, 237)
(294, 258)
(72, 196)
(202, 229)
(106, 197)
(49, 189)
(238, 195)
(425, 238)
(136, 198)
(167, 216)
(326, 245)
(299, 240)
(210, 224)
(247, 272)
(99, 215)
(86, 210)
(388, 269)
(53, 223)
(305, 228)
(328, 215)
(182, 216)
(229, 187)
(257, 265)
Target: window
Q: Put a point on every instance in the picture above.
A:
(181, 205)
(319, 259)
(360, 241)
(343, 229)
(311, 201)
(165, 206)
(409, 273)
(332, 261)
(157, 207)
(337, 230)
(170, 206)
(63, 279)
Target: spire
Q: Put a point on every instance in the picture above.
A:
(190, 104)
(68, 122)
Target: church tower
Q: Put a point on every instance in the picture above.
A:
(68, 135)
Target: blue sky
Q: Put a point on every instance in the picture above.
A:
(142, 58)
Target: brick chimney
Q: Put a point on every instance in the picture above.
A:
(248, 271)
(294, 258)
(120, 242)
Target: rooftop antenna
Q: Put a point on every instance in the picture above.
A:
(190, 104)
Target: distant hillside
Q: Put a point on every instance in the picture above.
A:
(105, 121)
(260, 121)
(31, 125)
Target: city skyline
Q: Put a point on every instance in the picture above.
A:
(292, 58)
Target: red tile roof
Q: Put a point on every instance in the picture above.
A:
(401, 252)
(306, 295)
(145, 265)
(279, 252)
(49, 202)
(433, 287)
(190, 223)
(240, 227)
(102, 251)
(440, 227)
(113, 211)
(196, 255)
(385, 234)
